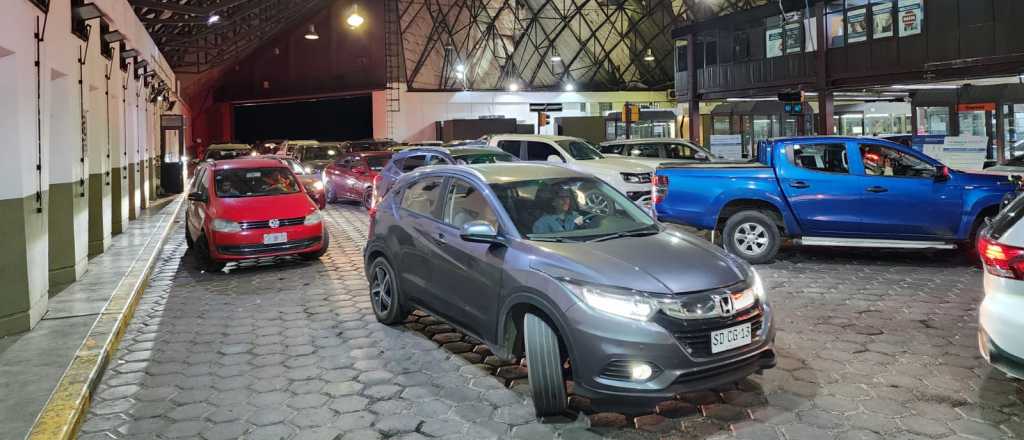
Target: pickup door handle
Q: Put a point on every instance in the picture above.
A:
(799, 184)
(877, 189)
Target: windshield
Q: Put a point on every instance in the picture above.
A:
(580, 150)
(573, 209)
(377, 163)
(253, 182)
(473, 159)
(296, 167)
(227, 154)
(319, 153)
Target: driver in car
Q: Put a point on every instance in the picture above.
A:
(564, 218)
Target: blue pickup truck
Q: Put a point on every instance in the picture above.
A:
(829, 191)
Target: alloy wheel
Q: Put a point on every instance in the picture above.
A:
(382, 290)
(751, 238)
(598, 203)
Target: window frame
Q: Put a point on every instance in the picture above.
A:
(864, 169)
(791, 156)
(426, 157)
(454, 180)
(549, 146)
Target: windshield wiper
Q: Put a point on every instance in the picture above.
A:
(635, 233)
(553, 239)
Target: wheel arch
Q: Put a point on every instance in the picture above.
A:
(739, 205)
(510, 328)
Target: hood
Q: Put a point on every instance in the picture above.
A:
(264, 208)
(655, 161)
(617, 165)
(670, 262)
(316, 164)
(985, 179)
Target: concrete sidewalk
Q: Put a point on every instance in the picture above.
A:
(32, 363)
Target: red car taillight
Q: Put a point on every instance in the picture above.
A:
(660, 188)
(1001, 260)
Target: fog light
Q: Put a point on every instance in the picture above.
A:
(641, 372)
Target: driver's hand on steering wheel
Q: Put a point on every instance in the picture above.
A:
(579, 220)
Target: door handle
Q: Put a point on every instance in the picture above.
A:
(799, 184)
(877, 189)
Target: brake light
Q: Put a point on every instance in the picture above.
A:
(1001, 260)
(659, 188)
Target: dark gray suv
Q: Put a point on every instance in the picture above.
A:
(544, 262)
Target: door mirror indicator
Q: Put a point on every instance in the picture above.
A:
(196, 197)
(941, 173)
(555, 158)
(479, 231)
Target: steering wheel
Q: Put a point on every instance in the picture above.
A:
(597, 204)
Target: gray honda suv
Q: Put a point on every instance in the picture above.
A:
(548, 263)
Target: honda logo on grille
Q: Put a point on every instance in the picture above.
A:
(275, 223)
(725, 305)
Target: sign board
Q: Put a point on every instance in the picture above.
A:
(978, 107)
(856, 25)
(774, 42)
(910, 16)
(957, 152)
(172, 121)
(882, 15)
(550, 107)
(727, 146)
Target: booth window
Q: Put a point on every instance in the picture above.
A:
(741, 46)
(682, 58)
(933, 120)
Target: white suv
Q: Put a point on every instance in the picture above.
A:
(1000, 322)
(633, 179)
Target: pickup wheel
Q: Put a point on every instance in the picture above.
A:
(752, 236)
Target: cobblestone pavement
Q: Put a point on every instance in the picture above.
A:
(872, 345)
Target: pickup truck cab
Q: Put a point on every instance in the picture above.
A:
(830, 191)
(633, 179)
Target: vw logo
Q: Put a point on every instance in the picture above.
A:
(725, 305)
(275, 223)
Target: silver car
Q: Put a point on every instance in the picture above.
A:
(548, 263)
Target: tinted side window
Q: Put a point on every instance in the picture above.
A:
(510, 147)
(412, 162)
(889, 162)
(422, 197)
(677, 151)
(466, 204)
(540, 151)
(829, 158)
(436, 160)
(612, 149)
(643, 150)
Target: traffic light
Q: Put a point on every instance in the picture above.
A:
(542, 119)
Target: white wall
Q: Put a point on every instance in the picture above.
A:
(420, 110)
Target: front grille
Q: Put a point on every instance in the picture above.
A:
(696, 336)
(260, 249)
(623, 370)
(265, 224)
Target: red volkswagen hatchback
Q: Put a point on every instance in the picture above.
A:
(351, 176)
(251, 208)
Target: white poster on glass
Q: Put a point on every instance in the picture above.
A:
(883, 24)
(960, 152)
(910, 17)
(727, 146)
(857, 25)
(773, 42)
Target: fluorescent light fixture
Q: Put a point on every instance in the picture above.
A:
(750, 99)
(460, 75)
(649, 56)
(569, 87)
(513, 86)
(311, 34)
(555, 58)
(925, 87)
(460, 68)
(213, 19)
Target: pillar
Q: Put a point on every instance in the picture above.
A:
(826, 124)
(24, 194)
(118, 159)
(99, 147)
(68, 206)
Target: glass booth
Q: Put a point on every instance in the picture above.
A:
(652, 124)
(756, 121)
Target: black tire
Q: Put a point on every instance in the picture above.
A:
(970, 248)
(201, 253)
(189, 242)
(367, 198)
(544, 361)
(323, 250)
(752, 236)
(385, 296)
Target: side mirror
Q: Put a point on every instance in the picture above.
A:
(634, 153)
(555, 158)
(700, 156)
(941, 173)
(196, 197)
(479, 231)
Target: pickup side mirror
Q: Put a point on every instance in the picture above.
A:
(941, 173)
(555, 158)
(197, 197)
(700, 156)
(479, 231)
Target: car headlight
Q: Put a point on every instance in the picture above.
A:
(318, 185)
(309, 170)
(636, 177)
(314, 218)
(757, 286)
(226, 226)
(614, 301)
